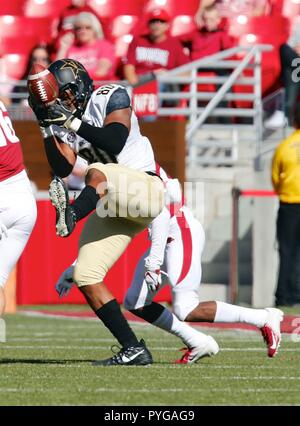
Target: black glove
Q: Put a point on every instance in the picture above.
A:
(40, 111)
(61, 116)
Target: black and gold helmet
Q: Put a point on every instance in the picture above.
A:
(72, 75)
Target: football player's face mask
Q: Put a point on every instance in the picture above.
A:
(74, 82)
(68, 100)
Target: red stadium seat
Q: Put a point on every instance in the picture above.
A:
(182, 24)
(187, 7)
(238, 26)
(262, 26)
(113, 8)
(122, 25)
(258, 32)
(13, 65)
(13, 7)
(174, 7)
(121, 45)
(13, 26)
(154, 4)
(48, 8)
(17, 44)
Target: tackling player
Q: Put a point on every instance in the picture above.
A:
(17, 203)
(100, 127)
(180, 256)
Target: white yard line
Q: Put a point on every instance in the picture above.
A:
(158, 348)
(142, 390)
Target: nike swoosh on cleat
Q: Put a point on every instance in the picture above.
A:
(126, 359)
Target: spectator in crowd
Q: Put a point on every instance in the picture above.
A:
(40, 54)
(66, 21)
(88, 46)
(290, 61)
(231, 8)
(286, 183)
(154, 52)
(211, 37)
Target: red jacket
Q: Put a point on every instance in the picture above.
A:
(206, 43)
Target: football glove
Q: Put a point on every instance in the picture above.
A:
(153, 280)
(3, 231)
(61, 116)
(65, 282)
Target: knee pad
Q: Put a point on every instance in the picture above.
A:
(184, 302)
(180, 312)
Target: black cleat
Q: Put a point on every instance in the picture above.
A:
(65, 215)
(134, 355)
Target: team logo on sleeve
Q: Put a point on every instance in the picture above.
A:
(71, 137)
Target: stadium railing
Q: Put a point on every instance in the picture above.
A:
(242, 85)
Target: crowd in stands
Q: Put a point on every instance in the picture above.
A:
(85, 33)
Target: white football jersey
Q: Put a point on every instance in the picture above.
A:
(137, 152)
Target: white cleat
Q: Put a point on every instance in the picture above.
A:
(65, 216)
(192, 355)
(277, 121)
(271, 330)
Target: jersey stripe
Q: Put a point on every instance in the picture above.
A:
(187, 246)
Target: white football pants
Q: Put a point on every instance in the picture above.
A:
(18, 214)
(182, 264)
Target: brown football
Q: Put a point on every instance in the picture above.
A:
(42, 85)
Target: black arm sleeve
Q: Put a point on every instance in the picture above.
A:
(110, 138)
(58, 163)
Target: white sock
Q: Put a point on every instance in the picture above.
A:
(190, 337)
(231, 313)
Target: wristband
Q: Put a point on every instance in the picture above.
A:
(73, 124)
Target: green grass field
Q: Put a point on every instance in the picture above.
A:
(47, 361)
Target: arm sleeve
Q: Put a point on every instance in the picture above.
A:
(159, 235)
(110, 138)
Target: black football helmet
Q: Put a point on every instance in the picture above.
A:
(71, 74)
